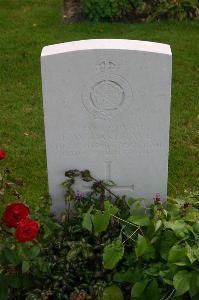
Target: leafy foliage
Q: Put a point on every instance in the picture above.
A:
(102, 248)
(148, 10)
(113, 253)
(175, 9)
(181, 282)
(104, 9)
(112, 293)
(154, 255)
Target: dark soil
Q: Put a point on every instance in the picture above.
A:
(71, 11)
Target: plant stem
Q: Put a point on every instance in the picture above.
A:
(102, 198)
(107, 189)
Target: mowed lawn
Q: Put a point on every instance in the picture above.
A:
(28, 25)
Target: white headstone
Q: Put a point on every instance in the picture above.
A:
(107, 109)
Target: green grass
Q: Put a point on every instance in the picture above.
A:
(28, 25)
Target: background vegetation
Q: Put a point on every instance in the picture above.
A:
(144, 10)
(27, 26)
(102, 249)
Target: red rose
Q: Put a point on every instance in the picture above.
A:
(14, 213)
(2, 154)
(27, 230)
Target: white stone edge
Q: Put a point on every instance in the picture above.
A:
(106, 44)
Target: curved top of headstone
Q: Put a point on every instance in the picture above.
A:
(109, 44)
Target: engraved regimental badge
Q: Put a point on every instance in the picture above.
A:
(106, 92)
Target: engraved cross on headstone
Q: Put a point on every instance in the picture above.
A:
(108, 177)
(118, 188)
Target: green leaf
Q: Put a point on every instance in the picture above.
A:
(179, 227)
(157, 225)
(152, 291)
(181, 282)
(153, 269)
(130, 201)
(130, 276)
(166, 277)
(86, 176)
(194, 284)
(140, 220)
(177, 256)
(27, 281)
(143, 247)
(135, 208)
(100, 221)
(127, 276)
(168, 239)
(34, 251)
(112, 293)
(196, 251)
(110, 208)
(12, 256)
(109, 183)
(196, 228)
(4, 290)
(72, 173)
(25, 266)
(73, 254)
(191, 215)
(14, 281)
(190, 253)
(138, 288)
(113, 252)
(87, 222)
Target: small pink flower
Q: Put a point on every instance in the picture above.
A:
(157, 197)
(79, 195)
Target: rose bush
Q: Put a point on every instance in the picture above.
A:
(23, 266)
(16, 215)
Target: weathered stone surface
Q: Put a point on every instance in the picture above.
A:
(107, 109)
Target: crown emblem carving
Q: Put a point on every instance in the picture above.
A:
(106, 65)
(106, 92)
